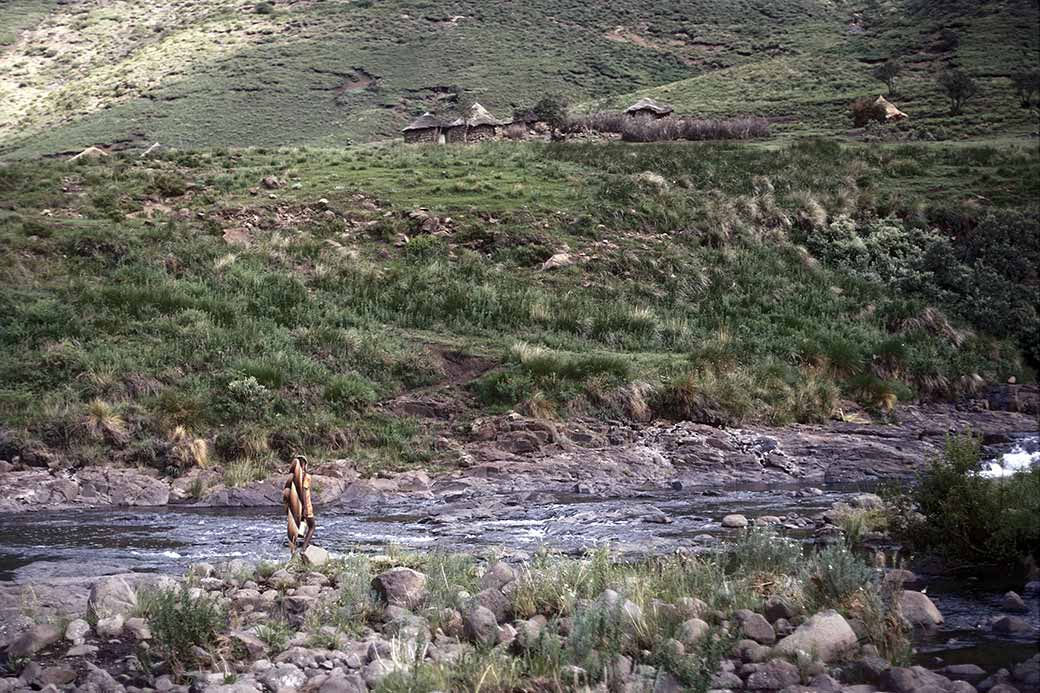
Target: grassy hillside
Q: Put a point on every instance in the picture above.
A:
(195, 74)
(149, 303)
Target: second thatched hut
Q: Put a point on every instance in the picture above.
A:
(478, 124)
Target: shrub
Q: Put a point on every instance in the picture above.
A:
(264, 8)
(763, 550)
(959, 87)
(1026, 85)
(179, 623)
(966, 517)
(887, 72)
(350, 390)
(836, 574)
(867, 110)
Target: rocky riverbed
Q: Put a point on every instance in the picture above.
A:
(520, 485)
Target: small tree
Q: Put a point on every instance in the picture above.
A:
(551, 109)
(887, 72)
(1026, 84)
(960, 87)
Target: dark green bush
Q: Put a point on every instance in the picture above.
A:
(180, 623)
(965, 517)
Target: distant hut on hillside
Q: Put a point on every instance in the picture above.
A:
(478, 124)
(892, 113)
(426, 128)
(648, 108)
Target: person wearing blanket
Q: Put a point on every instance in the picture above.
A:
(297, 499)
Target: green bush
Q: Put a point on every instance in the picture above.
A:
(965, 517)
(180, 623)
(350, 391)
(763, 550)
(836, 574)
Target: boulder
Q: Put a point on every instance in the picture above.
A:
(281, 676)
(776, 608)
(138, 628)
(498, 575)
(691, 631)
(111, 627)
(98, 680)
(495, 601)
(480, 626)
(254, 646)
(401, 587)
(376, 670)
(773, 676)
(1012, 625)
(1013, 602)
(339, 682)
(972, 673)
(315, 556)
(918, 610)
(110, 596)
(56, 676)
(735, 521)
(33, 639)
(827, 635)
(77, 631)
(558, 261)
(755, 627)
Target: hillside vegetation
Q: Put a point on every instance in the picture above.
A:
(148, 304)
(196, 74)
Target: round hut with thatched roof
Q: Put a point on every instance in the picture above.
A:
(426, 128)
(649, 109)
(892, 113)
(477, 125)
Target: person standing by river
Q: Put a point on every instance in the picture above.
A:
(296, 496)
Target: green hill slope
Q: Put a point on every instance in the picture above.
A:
(193, 74)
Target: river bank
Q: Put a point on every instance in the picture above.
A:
(512, 453)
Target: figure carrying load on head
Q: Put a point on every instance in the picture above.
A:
(297, 499)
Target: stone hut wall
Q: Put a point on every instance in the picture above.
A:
(431, 135)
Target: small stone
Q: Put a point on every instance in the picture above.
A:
(498, 575)
(735, 521)
(111, 627)
(971, 673)
(777, 608)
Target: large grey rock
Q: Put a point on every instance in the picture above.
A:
(773, 676)
(283, 676)
(315, 556)
(138, 628)
(401, 587)
(77, 631)
(777, 608)
(692, 631)
(480, 626)
(338, 682)
(972, 673)
(498, 575)
(1027, 673)
(57, 676)
(1012, 625)
(110, 596)
(827, 635)
(918, 610)
(755, 627)
(254, 646)
(735, 521)
(377, 670)
(111, 627)
(98, 680)
(1013, 602)
(33, 639)
(494, 601)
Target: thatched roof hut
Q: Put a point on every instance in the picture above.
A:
(647, 107)
(891, 112)
(477, 124)
(425, 128)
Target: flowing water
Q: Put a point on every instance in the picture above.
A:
(35, 546)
